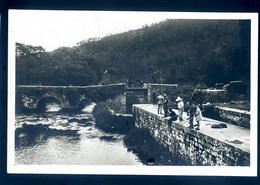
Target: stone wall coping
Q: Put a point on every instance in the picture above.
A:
(170, 85)
(220, 135)
(210, 139)
(233, 110)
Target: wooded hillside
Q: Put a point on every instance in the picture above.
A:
(173, 51)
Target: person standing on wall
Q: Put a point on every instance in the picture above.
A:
(180, 108)
(160, 103)
(173, 117)
(198, 115)
(191, 112)
(165, 104)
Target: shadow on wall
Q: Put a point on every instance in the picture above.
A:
(150, 152)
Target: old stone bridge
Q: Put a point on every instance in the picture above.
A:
(34, 96)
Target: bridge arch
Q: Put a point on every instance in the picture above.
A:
(83, 103)
(43, 102)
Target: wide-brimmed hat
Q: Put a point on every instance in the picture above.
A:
(178, 99)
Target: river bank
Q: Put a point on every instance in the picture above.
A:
(139, 141)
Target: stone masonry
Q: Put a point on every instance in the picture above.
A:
(28, 96)
(188, 146)
(234, 116)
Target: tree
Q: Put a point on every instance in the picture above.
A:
(176, 51)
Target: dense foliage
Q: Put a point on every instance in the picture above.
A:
(173, 51)
(63, 66)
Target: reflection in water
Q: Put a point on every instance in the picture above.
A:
(32, 135)
(71, 139)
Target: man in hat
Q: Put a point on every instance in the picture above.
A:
(180, 107)
(165, 104)
(160, 103)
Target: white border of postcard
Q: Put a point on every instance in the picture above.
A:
(141, 170)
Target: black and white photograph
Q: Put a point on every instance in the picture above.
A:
(132, 93)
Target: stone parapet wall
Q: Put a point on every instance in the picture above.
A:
(189, 147)
(234, 116)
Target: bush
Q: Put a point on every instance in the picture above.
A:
(102, 114)
(107, 120)
(117, 104)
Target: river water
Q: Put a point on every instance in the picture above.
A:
(54, 138)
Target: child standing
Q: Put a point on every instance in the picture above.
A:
(198, 115)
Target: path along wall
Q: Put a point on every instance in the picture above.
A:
(189, 147)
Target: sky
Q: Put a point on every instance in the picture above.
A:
(54, 29)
